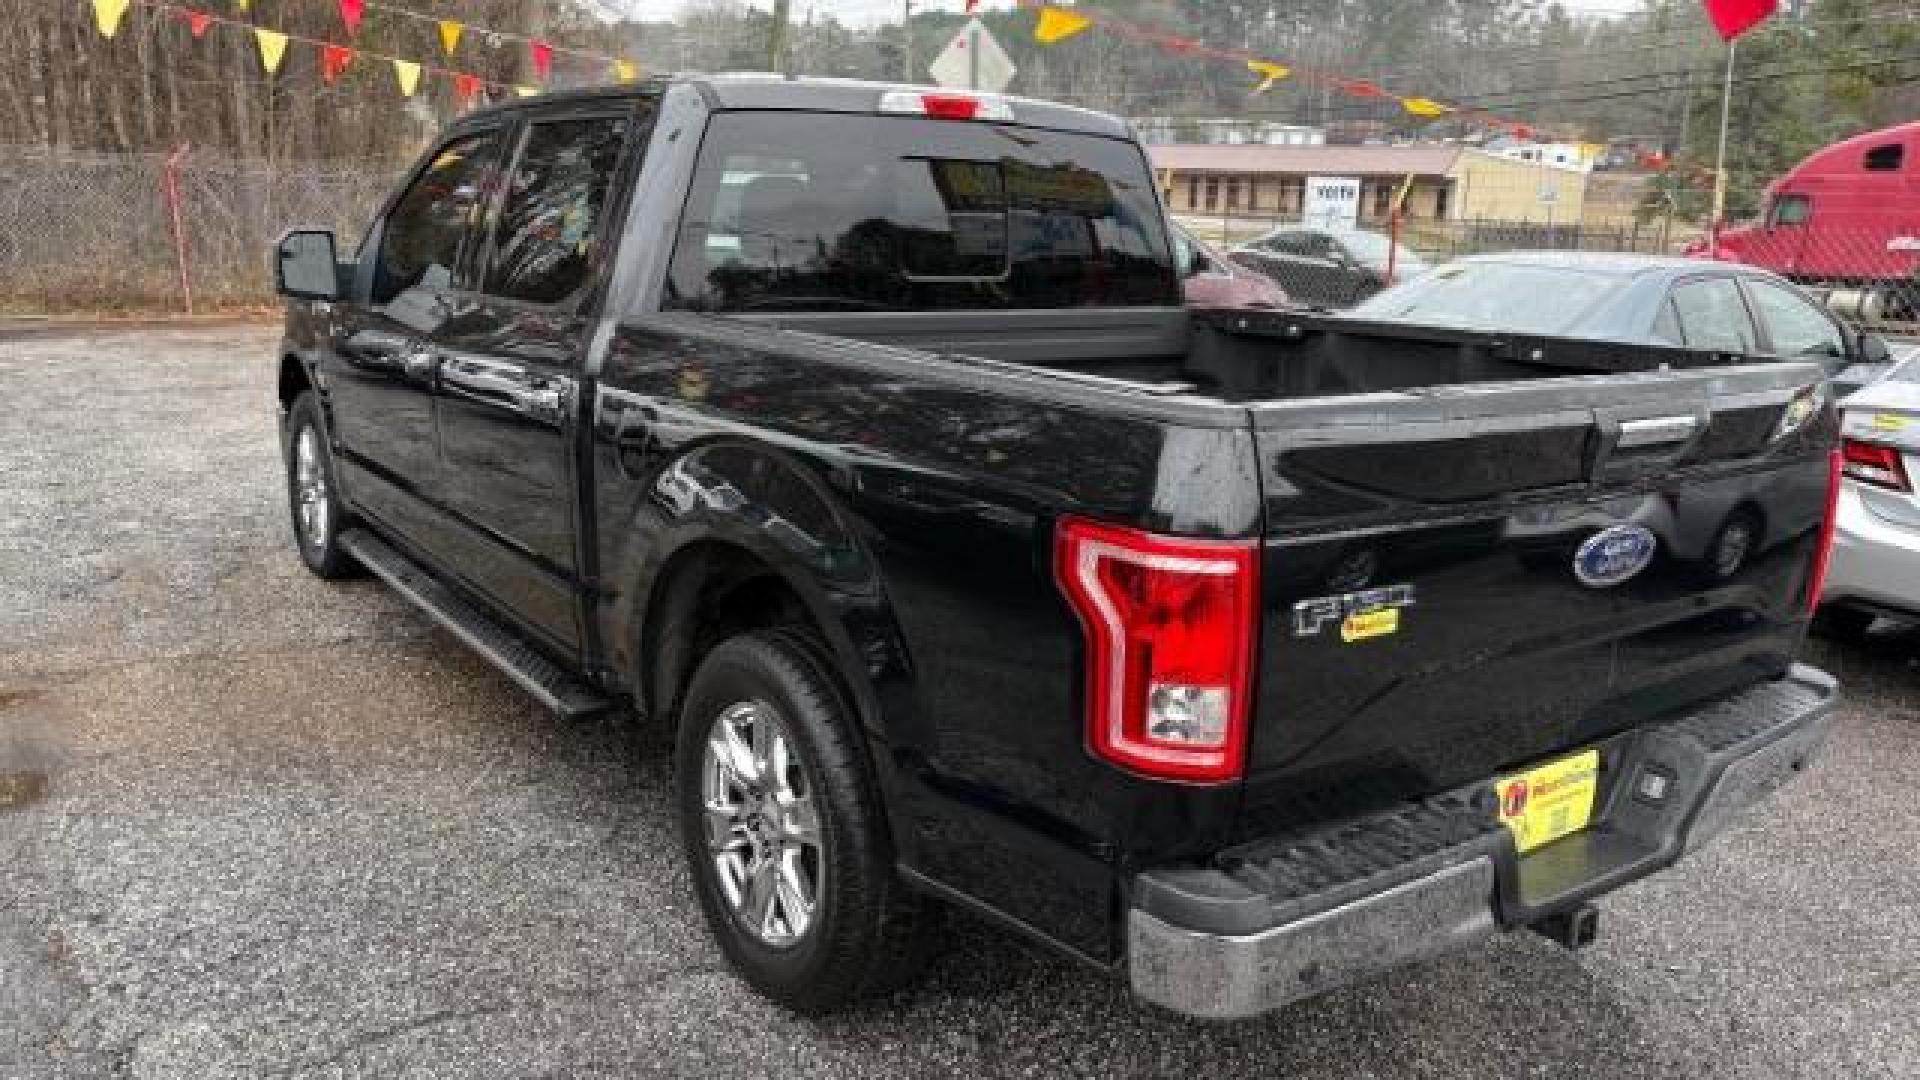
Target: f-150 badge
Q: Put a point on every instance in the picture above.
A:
(1363, 614)
(1611, 556)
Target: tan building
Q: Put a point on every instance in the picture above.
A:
(1449, 183)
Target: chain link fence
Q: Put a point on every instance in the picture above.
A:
(85, 232)
(140, 232)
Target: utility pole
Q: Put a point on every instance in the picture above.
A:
(906, 41)
(1720, 158)
(777, 37)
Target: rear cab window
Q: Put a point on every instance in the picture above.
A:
(846, 212)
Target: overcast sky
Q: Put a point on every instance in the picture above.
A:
(867, 11)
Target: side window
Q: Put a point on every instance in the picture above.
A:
(1712, 315)
(420, 245)
(1789, 210)
(1887, 157)
(550, 220)
(1795, 325)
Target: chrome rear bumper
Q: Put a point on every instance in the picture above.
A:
(1264, 927)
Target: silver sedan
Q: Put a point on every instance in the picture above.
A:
(1876, 547)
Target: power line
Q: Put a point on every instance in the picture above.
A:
(1532, 104)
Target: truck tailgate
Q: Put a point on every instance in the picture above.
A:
(1469, 579)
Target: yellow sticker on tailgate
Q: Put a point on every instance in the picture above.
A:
(1889, 422)
(1546, 803)
(1362, 625)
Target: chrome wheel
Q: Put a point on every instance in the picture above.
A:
(310, 487)
(762, 827)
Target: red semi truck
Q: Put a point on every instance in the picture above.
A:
(1845, 221)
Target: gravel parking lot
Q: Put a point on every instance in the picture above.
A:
(253, 824)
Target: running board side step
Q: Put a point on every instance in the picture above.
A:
(565, 694)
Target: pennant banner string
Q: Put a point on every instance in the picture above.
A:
(1053, 24)
(334, 57)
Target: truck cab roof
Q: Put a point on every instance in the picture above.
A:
(773, 92)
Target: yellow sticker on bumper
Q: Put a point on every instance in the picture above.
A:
(1544, 804)
(1362, 625)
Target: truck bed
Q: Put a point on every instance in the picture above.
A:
(1238, 357)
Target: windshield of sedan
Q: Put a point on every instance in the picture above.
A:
(1514, 297)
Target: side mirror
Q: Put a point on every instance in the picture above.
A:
(304, 266)
(1874, 350)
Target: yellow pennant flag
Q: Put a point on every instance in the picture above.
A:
(273, 47)
(1058, 24)
(1427, 107)
(450, 32)
(243, 4)
(523, 90)
(407, 73)
(626, 70)
(1269, 73)
(106, 15)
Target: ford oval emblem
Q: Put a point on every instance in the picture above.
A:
(1611, 556)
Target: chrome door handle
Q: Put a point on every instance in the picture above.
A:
(545, 400)
(418, 363)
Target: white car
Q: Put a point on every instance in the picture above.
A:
(1876, 548)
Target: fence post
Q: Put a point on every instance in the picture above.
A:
(1393, 243)
(172, 186)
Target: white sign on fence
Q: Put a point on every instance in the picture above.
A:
(973, 60)
(1332, 201)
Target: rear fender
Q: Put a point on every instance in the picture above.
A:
(731, 499)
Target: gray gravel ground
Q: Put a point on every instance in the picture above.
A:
(252, 824)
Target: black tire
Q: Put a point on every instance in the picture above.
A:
(1842, 624)
(317, 536)
(867, 932)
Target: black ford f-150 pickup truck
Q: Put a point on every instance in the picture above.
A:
(855, 435)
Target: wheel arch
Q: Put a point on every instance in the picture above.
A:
(761, 542)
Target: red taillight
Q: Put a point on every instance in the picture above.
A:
(1871, 463)
(1823, 555)
(1170, 629)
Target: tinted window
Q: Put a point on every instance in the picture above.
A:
(420, 245)
(1309, 245)
(1712, 315)
(1886, 158)
(1791, 210)
(556, 194)
(800, 212)
(1481, 294)
(1795, 326)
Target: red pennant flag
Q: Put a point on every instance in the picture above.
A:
(972, 4)
(1735, 17)
(334, 60)
(197, 22)
(350, 13)
(465, 87)
(542, 56)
